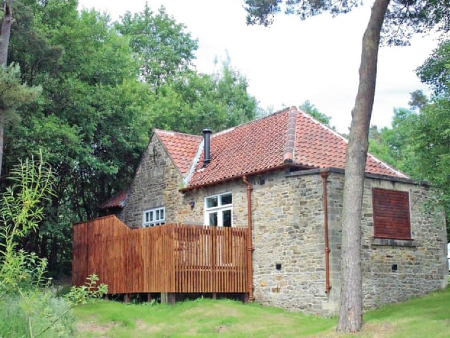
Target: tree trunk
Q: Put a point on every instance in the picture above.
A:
(2, 130)
(4, 44)
(350, 311)
(6, 31)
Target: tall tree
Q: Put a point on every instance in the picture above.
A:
(195, 101)
(430, 138)
(312, 110)
(162, 46)
(418, 100)
(394, 145)
(418, 144)
(91, 121)
(402, 19)
(5, 34)
(96, 110)
(436, 70)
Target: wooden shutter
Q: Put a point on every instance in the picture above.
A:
(391, 214)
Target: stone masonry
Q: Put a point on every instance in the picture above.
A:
(288, 237)
(393, 270)
(288, 233)
(156, 184)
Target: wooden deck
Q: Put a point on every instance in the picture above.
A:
(168, 258)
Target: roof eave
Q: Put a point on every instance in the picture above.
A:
(253, 173)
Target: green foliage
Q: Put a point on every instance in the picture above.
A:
(41, 306)
(436, 70)
(393, 145)
(430, 142)
(81, 295)
(27, 305)
(21, 210)
(91, 122)
(402, 19)
(314, 112)
(217, 101)
(162, 47)
(104, 87)
(418, 100)
(14, 94)
(418, 144)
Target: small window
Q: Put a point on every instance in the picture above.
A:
(219, 210)
(154, 217)
(391, 214)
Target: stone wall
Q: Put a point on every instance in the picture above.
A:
(195, 215)
(288, 260)
(156, 184)
(288, 233)
(393, 270)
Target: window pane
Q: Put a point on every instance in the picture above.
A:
(226, 218)
(213, 218)
(226, 199)
(146, 217)
(162, 214)
(151, 216)
(157, 215)
(212, 202)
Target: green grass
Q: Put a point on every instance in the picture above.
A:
(421, 317)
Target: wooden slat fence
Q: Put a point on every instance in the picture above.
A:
(168, 258)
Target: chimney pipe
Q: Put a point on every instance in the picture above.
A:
(207, 146)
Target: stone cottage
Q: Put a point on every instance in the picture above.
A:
(293, 166)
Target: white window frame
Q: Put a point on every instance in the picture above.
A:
(152, 217)
(218, 209)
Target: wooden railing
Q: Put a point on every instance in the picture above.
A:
(168, 258)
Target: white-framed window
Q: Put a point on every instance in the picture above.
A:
(152, 217)
(219, 210)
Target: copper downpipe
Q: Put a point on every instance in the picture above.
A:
(249, 239)
(324, 175)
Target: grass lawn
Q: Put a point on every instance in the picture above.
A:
(424, 317)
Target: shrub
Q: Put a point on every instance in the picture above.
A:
(28, 307)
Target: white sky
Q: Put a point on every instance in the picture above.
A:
(293, 60)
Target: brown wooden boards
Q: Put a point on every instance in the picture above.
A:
(167, 258)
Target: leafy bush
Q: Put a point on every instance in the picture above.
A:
(42, 307)
(28, 307)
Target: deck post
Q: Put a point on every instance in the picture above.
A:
(126, 298)
(168, 298)
(172, 298)
(164, 298)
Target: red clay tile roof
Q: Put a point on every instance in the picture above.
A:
(289, 136)
(319, 146)
(182, 148)
(117, 201)
(254, 146)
